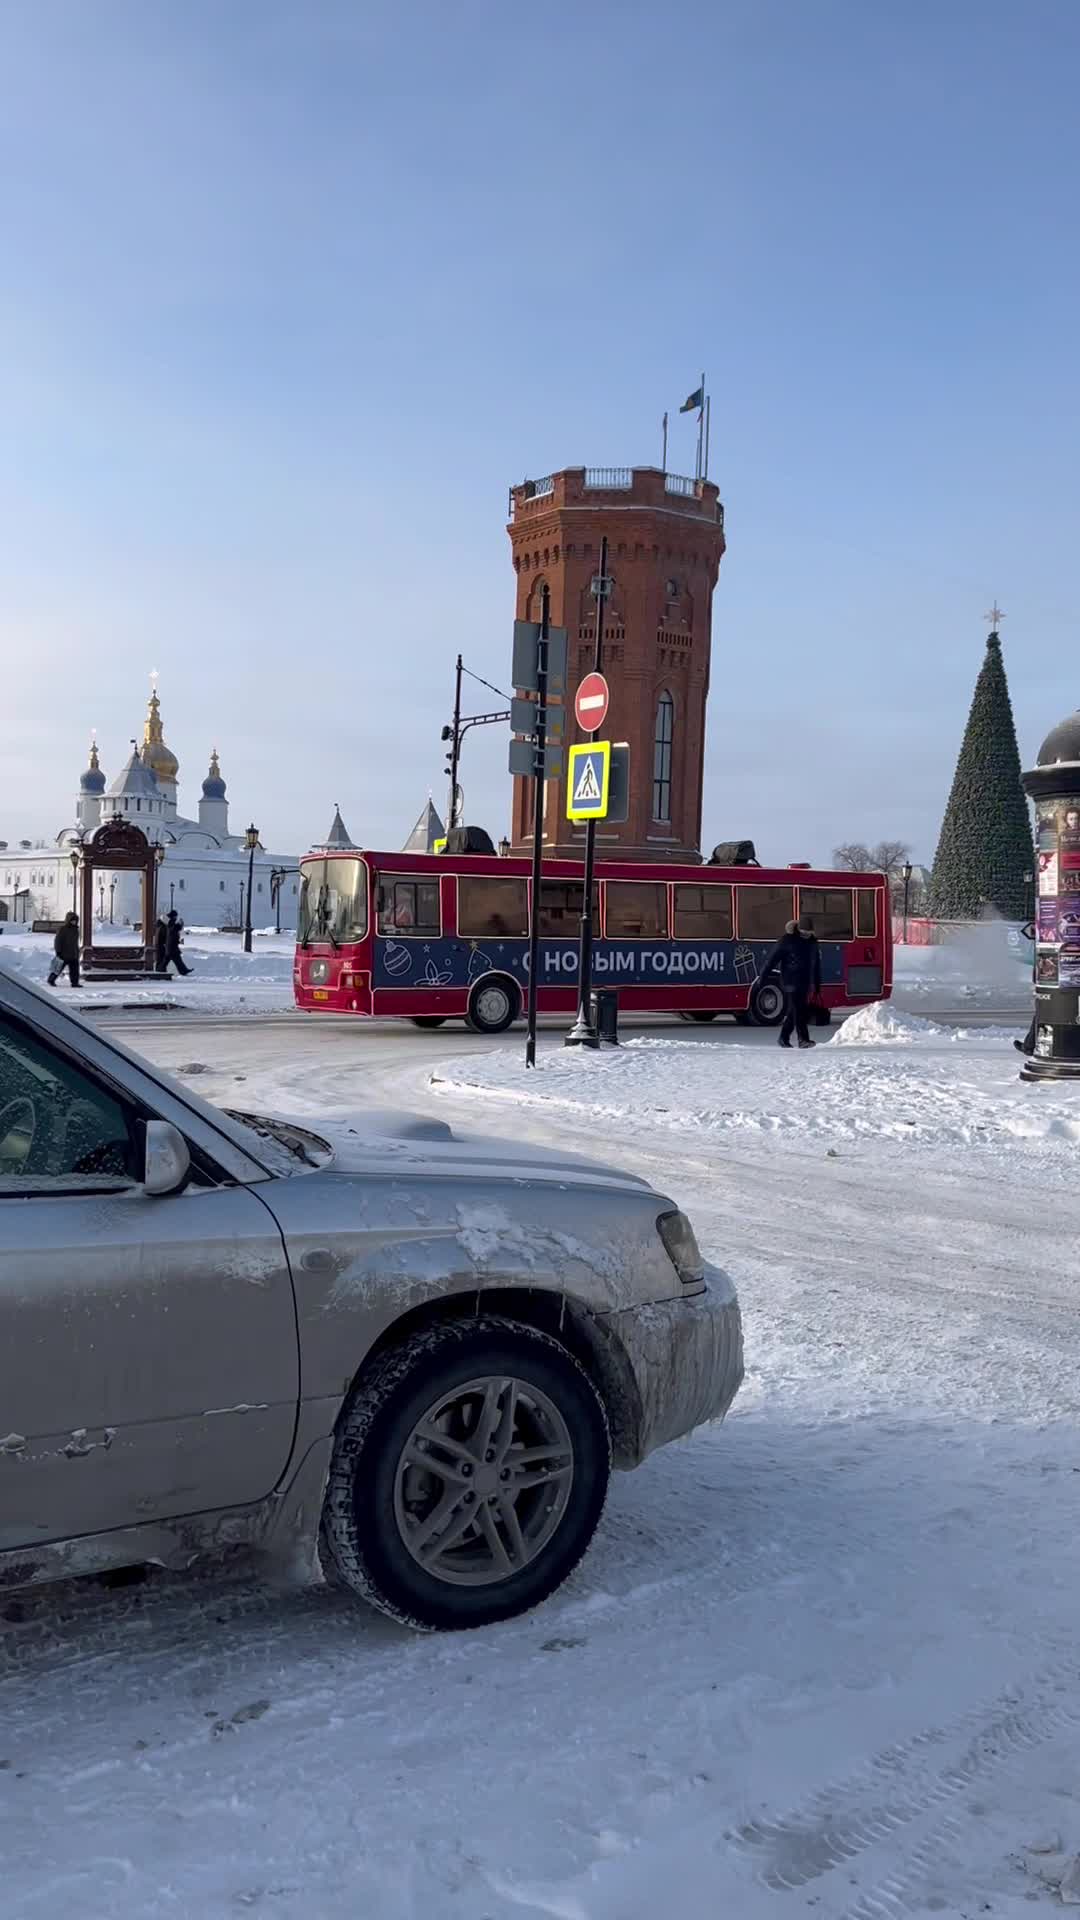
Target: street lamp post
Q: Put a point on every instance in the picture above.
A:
(251, 841)
(112, 893)
(906, 870)
(74, 858)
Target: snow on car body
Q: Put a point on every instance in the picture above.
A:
(412, 1354)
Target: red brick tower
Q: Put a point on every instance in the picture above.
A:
(665, 541)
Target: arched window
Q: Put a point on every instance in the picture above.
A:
(662, 739)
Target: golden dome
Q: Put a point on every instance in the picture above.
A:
(161, 760)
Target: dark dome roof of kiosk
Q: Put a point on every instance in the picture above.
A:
(1062, 745)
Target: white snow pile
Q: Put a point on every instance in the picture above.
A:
(884, 1025)
(929, 1092)
(223, 978)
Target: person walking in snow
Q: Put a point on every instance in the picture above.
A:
(797, 958)
(66, 951)
(174, 927)
(1027, 1044)
(161, 943)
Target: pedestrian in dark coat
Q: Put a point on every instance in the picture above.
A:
(174, 927)
(66, 951)
(161, 944)
(1027, 1044)
(797, 958)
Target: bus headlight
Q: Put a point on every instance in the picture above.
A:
(683, 1251)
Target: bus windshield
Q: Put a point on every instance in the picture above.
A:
(333, 901)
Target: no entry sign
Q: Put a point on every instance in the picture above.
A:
(591, 703)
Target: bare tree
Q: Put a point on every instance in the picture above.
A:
(853, 857)
(887, 857)
(890, 855)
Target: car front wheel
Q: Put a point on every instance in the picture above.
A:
(468, 1477)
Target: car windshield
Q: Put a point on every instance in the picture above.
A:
(333, 901)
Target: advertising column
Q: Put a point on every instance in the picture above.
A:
(1054, 785)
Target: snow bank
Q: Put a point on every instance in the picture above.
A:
(224, 979)
(883, 1025)
(906, 1085)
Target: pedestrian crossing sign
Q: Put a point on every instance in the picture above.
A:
(588, 781)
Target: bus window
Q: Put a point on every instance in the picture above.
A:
(866, 913)
(333, 901)
(488, 906)
(409, 906)
(703, 913)
(764, 911)
(560, 909)
(636, 910)
(830, 910)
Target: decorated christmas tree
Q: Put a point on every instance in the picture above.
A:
(985, 848)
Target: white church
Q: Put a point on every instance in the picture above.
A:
(204, 872)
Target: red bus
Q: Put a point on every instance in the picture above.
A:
(435, 937)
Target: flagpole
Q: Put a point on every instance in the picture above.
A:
(708, 424)
(700, 427)
(663, 463)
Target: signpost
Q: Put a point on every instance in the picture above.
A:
(532, 659)
(593, 691)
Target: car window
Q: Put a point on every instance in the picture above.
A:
(58, 1128)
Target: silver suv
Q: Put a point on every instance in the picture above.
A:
(406, 1358)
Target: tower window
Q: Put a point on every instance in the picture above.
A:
(662, 741)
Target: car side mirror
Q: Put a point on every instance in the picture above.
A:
(166, 1160)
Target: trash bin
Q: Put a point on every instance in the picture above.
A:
(604, 1002)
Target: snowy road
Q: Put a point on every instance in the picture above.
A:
(822, 1661)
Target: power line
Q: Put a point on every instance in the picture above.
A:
(485, 683)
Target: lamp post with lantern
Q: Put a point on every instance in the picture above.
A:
(251, 841)
(74, 858)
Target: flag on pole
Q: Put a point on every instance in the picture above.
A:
(696, 399)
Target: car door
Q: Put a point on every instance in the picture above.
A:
(148, 1348)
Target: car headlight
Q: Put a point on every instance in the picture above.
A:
(680, 1241)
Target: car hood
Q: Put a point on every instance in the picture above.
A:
(387, 1141)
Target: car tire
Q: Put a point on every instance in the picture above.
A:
(379, 1501)
(494, 1005)
(767, 1004)
(698, 1019)
(428, 1019)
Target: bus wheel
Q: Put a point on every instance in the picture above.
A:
(493, 1005)
(767, 1004)
(701, 1019)
(428, 1019)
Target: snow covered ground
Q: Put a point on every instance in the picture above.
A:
(821, 1661)
(224, 979)
(885, 1077)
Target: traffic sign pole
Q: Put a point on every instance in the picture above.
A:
(538, 818)
(583, 1033)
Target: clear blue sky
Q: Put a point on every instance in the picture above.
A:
(290, 290)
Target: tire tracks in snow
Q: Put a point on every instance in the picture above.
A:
(897, 1788)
